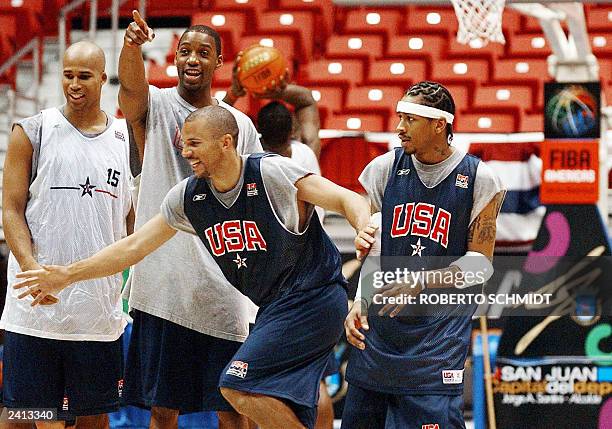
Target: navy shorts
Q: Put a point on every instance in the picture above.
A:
(78, 378)
(367, 409)
(332, 366)
(289, 347)
(174, 367)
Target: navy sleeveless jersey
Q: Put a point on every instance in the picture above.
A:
(425, 228)
(256, 253)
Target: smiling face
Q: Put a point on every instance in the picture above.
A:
(83, 76)
(196, 60)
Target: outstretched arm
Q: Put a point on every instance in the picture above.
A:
(112, 259)
(324, 193)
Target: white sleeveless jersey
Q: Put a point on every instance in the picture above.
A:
(78, 202)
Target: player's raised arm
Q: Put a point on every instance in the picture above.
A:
(306, 113)
(134, 89)
(112, 259)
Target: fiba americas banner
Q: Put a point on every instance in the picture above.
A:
(570, 161)
(570, 172)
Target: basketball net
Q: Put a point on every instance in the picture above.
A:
(480, 21)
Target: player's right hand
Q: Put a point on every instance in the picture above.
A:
(49, 299)
(138, 32)
(356, 319)
(50, 280)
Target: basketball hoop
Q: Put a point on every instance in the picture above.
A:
(480, 21)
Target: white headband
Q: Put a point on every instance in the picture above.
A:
(425, 111)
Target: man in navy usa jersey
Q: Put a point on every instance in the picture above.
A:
(255, 216)
(436, 202)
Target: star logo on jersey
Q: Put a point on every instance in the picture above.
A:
(417, 248)
(403, 172)
(240, 262)
(87, 188)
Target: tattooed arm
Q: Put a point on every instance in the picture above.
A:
(481, 235)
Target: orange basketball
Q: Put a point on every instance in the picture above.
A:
(261, 68)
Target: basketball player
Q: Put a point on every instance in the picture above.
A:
(187, 323)
(306, 112)
(65, 196)
(276, 126)
(255, 215)
(436, 201)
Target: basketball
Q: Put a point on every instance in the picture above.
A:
(261, 68)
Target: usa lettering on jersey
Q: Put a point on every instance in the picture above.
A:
(235, 236)
(423, 220)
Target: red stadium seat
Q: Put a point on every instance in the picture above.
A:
(299, 25)
(230, 26)
(163, 8)
(491, 51)
(250, 7)
(171, 53)
(511, 22)
(601, 43)
(486, 123)
(25, 25)
(460, 71)
(404, 72)
(357, 122)
(380, 20)
(323, 11)
(355, 46)
(606, 89)
(157, 75)
(285, 44)
(523, 71)
(329, 98)
(417, 45)
(605, 76)
(343, 159)
(244, 104)
(502, 97)
(599, 18)
(36, 6)
(328, 72)
(532, 123)
(461, 96)
(223, 75)
(374, 98)
(428, 20)
(529, 46)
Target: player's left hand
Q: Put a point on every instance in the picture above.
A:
(48, 281)
(364, 241)
(407, 289)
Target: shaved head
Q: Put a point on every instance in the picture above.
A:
(85, 53)
(217, 119)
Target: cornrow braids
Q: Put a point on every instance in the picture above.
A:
(205, 29)
(433, 94)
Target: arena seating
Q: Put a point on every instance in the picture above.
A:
(348, 50)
